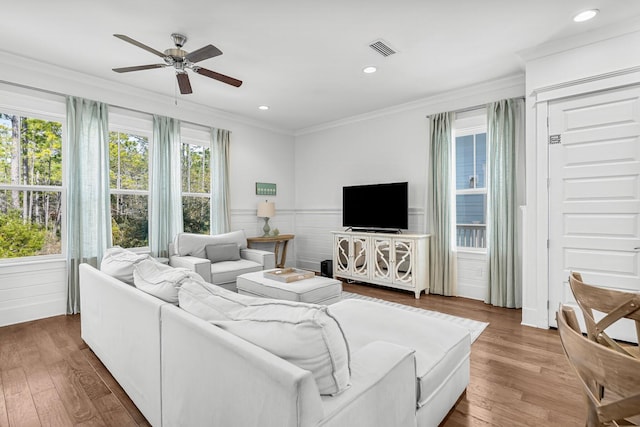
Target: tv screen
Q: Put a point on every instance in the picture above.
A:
(377, 206)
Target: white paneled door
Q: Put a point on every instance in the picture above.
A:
(594, 194)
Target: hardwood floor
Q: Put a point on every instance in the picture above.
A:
(519, 375)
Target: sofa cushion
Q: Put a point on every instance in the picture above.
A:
(162, 281)
(441, 347)
(306, 335)
(210, 302)
(119, 263)
(227, 271)
(186, 244)
(222, 252)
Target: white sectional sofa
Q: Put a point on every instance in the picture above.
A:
(181, 370)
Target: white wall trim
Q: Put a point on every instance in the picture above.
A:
(582, 39)
(619, 78)
(505, 87)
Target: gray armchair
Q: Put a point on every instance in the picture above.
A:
(220, 258)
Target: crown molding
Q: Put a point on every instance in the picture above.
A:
(484, 92)
(34, 74)
(579, 40)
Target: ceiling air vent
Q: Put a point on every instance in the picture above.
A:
(382, 48)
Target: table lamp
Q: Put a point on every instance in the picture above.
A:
(266, 210)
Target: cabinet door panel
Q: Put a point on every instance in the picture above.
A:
(360, 266)
(403, 261)
(342, 248)
(382, 257)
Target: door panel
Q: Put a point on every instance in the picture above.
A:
(594, 194)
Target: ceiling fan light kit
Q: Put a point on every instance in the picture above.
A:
(181, 61)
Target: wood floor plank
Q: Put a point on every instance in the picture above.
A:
(73, 396)
(50, 409)
(113, 413)
(21, 410)
(4, 419)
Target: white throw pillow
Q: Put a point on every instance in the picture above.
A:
(161, 280)
(119, 263)
(306, 335)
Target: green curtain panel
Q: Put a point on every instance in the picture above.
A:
(220, 213)
(165, 212)
(505, 137)
(87, 178)
(440, 204)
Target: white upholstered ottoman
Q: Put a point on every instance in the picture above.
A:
(317, 290)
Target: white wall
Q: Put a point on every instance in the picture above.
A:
(565, 68)
(383, 146)
(258, 153)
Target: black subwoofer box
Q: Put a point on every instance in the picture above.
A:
(326, 268)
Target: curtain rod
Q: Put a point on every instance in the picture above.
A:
(51, 92)
(475, 107)
(464, 110)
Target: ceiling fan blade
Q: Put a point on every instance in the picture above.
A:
(183, 83)
(138, 68)
(203, 53)
(140, 45)
(217, 76)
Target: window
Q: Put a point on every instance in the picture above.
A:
(129, 183)
(471, 189)
(196, 182)
(31, 202)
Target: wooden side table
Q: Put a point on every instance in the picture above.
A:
(277, 240)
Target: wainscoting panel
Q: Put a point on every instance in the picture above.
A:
(472, 275)
(313, 236)
(32, 290)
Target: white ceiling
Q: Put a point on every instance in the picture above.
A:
(303, 58)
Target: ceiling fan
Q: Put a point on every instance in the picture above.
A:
(181, 61)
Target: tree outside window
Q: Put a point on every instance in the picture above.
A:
(196, 188)
(30, 186)
(129, 183)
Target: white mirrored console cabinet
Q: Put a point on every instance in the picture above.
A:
(398, 261)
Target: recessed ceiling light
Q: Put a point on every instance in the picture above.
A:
(263, 107)
(585, 15)
(369, 70)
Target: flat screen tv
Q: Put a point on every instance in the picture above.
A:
(376, 206)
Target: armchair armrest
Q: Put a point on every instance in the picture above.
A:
(376, 369)
(265, 258)
(201, 266)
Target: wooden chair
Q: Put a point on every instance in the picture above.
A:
(615, 304)
(598, 366)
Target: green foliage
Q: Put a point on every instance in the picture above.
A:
(128, 161)
(19, 238)
(195, 213)
(39, 150)
(196, 169)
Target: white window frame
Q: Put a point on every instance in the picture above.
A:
(138, 124)
(24, 102)
(469, 123)
(197, 136)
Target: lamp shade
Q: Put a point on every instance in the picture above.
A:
(266, 209)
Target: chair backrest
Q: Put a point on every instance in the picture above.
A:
(613, 303)
(597, 365)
